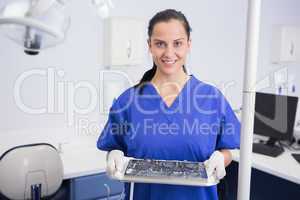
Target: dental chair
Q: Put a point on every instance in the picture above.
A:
(30, 172)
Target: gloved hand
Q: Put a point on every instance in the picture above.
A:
(215, 164)
(115, 161)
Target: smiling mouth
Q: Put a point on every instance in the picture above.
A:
(169, 62)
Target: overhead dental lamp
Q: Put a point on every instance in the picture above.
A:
(103, 7)
(34, 24)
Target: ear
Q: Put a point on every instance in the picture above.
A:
(149, 45)
(189, 44)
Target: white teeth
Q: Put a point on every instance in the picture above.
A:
(169, 62)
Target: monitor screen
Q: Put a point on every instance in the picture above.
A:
(275, 115)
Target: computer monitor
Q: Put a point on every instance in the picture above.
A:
(275, 118)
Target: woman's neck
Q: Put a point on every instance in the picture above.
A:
(179, 78)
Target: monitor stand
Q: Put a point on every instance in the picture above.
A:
(269, 148)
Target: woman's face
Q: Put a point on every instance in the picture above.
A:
(169, 46)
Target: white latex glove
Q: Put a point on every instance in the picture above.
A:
(115, 162)
(215, 164)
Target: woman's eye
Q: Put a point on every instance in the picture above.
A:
(177, 44)
(160, 44)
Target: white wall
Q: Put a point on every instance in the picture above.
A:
(79, 57)
(218, 46)
(278, 12)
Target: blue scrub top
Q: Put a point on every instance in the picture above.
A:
(199, 121)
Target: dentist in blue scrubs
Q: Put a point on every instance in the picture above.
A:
(170, 115)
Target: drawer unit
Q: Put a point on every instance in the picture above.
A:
(98, 186)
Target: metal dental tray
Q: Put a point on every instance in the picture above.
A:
(167, 172)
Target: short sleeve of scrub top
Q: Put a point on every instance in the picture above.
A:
(227, 137)
(198, 122)
(111, 137)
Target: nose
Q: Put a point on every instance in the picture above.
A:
(169, 52)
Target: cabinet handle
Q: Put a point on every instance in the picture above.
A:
(122, 195)
(107, 190)
(129, 49)
(292, 48)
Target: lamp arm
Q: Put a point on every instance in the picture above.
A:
(39, 7)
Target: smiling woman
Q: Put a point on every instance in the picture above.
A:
(170, 115)
(169, 45)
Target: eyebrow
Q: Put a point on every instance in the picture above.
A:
(158, 40)
(179, 39)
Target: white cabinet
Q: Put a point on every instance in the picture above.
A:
(124, 41)
(285, 44)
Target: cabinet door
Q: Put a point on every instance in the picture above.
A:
(285, 44)
(123, 41)
(288, 44)
(120, 43)
(135, 49)
(94, 187)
